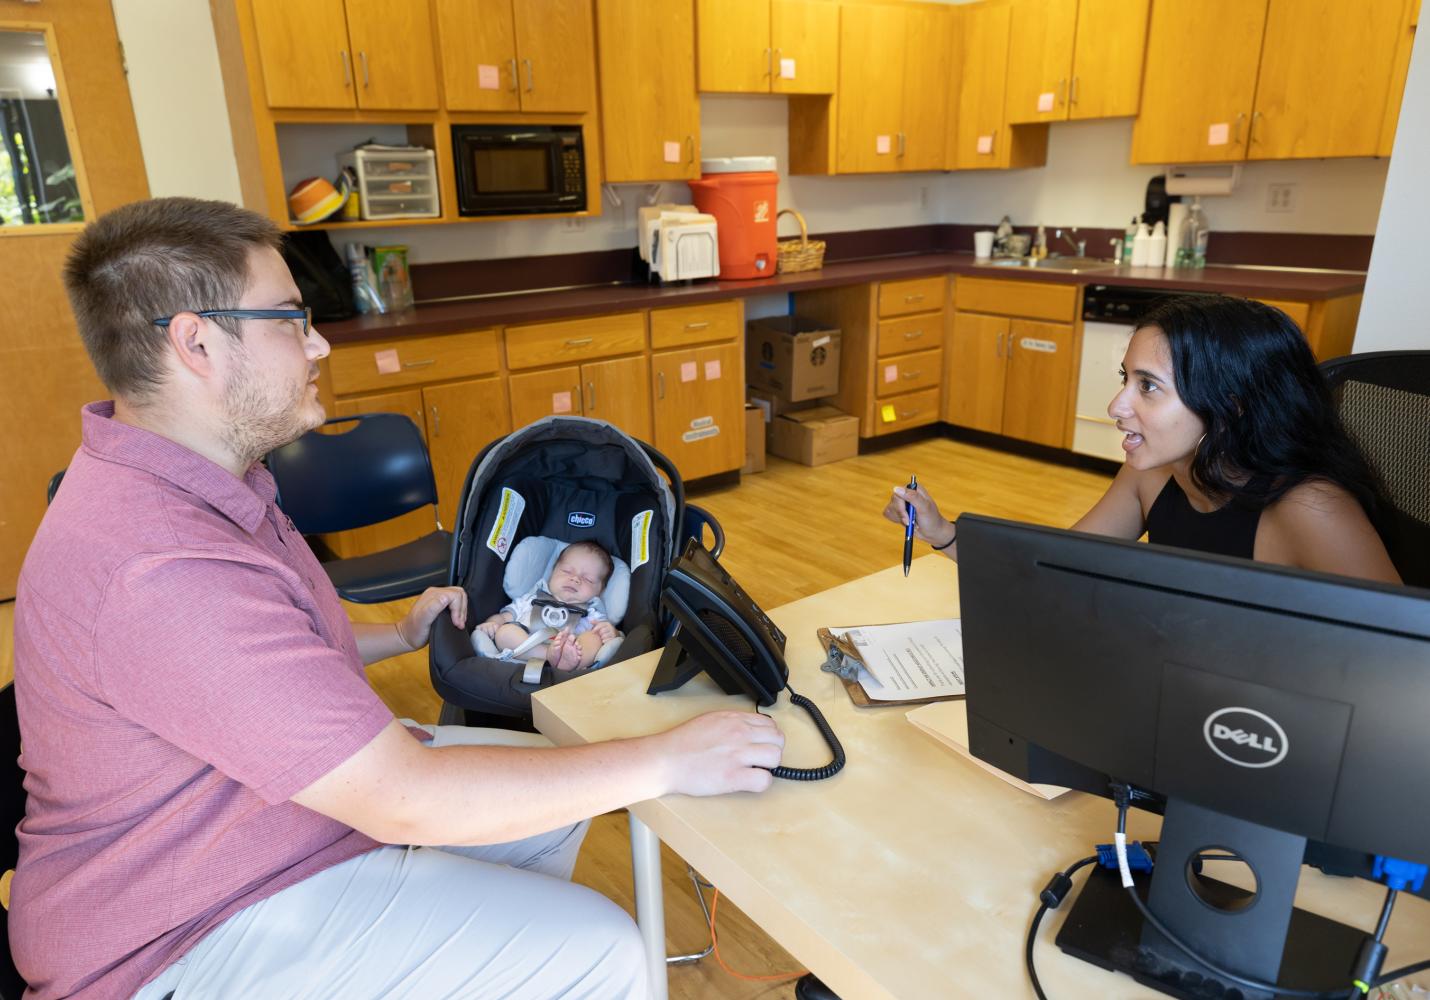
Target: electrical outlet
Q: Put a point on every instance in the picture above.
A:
(575, 224)
(1281, 197)
(924, 197)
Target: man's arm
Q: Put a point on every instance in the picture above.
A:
(400, 791)
(377, 641)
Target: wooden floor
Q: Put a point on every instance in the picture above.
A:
(790, 531)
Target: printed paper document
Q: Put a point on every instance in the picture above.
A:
(909, 660)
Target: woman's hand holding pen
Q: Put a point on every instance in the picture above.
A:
(929, 525)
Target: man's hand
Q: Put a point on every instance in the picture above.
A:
(721, 752)
(414, 629)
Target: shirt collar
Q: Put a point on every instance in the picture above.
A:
(243, 501)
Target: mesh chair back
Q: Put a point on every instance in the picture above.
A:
(375, 470)
(1383, 399)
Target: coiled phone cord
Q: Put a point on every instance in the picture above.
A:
(812, 773)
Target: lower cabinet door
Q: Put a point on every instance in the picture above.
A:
(400, 530)
(462, 419)
(618, 391)
(700, 408)
(1040, 373)
(541, 394)
(975, 363)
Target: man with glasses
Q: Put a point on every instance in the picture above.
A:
(219, 804)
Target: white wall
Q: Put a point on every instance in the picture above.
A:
(1393, 315)
(177, 90)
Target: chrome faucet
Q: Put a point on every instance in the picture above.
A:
(1079, 245)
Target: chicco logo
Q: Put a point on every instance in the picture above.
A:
(580, 519)
(1245, 737)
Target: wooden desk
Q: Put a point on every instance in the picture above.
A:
(912, 873)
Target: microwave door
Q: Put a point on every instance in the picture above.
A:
(517, 175)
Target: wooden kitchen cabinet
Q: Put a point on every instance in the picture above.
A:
(370, 54)
(650, 112)
(741, 44)
(1039, 382)
(699, 402)
(981, 138)
(510, 55)
(1076, 59)
(976, 373)
(462, 419)
(613, 391)
(927, 88)
(1398, 72)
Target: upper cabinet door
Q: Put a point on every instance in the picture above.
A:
(871, 88)
(1199, 81)
(556, 46)
(650, 113)
(805, 37)
(303, 48)
(1040, 60)
(479, 67)
(1325, 74)
(1107, 62)
(982, 136)
(733, 39)
(1398, 73)
(396, 64)
(928, 82)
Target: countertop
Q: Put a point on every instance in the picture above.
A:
(526, 307)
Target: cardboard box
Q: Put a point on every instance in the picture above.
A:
(815, 437)
(772, 405)
(795, 358)
(754, 439)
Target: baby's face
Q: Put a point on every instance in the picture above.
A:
(577, 576)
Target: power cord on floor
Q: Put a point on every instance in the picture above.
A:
(715, 940)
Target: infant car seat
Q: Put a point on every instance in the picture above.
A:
(565, 479)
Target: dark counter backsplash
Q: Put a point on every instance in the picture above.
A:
(458, 279)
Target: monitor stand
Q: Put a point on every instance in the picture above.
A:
(1270, 941)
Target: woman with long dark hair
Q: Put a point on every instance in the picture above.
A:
(1233, 446)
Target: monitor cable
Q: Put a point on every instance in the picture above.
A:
(836, 763)
(1053, 893)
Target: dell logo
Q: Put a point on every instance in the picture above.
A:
(1245, 737)
(580, 519)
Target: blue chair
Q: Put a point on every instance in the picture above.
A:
(697, 520)
(54, 486)
(376, 470)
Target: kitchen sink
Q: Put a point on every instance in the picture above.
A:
(1067, 265)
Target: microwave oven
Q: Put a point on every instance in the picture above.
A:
(519, 169)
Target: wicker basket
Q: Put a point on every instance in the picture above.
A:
(803, 254)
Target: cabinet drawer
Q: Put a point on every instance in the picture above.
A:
(574, 340)
(897, 298)
(902, 412)
(694, 324)
(907, 373)
(1034, 299)
(914, 333)
(1300, 312)
(388, 364)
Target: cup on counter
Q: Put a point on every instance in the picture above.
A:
(983, 244)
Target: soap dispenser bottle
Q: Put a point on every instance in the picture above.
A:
(1142, 246)
(1127, 237)
(1157, 246)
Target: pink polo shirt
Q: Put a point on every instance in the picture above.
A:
(182, 667)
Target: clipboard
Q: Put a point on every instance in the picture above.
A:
(855, 690)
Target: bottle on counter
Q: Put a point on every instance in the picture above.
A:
(1040, 243)
(1176, 223)
(1157, 246)
(1142, 246)
(1128, 236)
(1197, 233)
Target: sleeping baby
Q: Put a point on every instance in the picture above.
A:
(569, 602)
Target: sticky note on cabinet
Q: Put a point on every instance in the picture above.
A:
(1045, 101)
(887, 414)
(891, 373)
(1218, 134)
(561, 402)
(882, 144)
(985, 145)
(689, 372)
(786, 69)
(387, 362)
(672, 152)
(712, 370)
(488, 78)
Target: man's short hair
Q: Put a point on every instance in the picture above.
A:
(596, 549)
(152, 259)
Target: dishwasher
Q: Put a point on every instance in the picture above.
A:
(1109, 314)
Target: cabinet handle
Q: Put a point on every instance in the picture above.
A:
(1062, 90)
(514, 75)
(914, 298)
(660, 385)
(363, 56)
(913, 334)
(696, 326)
(1256, 116)
(427, 363)
(579, 342)
(769, 63)
(347, 68)
(901, 143)
(436, 423)
(690, 139)
(590, 398)
(911, 375)
(992, 142)
(998, 347)
(530, 76)
(1072, 97)
(1236, 133)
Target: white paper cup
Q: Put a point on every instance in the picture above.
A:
(983, 244)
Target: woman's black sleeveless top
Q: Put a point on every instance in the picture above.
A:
(1228, 531)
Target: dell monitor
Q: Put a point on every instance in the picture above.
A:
(1261, 708)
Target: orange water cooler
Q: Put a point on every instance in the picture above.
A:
(740, 192)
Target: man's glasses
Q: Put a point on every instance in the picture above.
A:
(305, 314)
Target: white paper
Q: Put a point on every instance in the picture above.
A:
(985, 145)
(882, 144)
(1218, 134)
(786, 69)
(1045, 101)
(911, 660)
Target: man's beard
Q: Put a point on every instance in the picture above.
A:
(263, 415)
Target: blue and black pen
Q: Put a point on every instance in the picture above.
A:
(909, 531)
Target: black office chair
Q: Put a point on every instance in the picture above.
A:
(1383, 398)
(12, 810)
(53, 487)
(377, 470)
